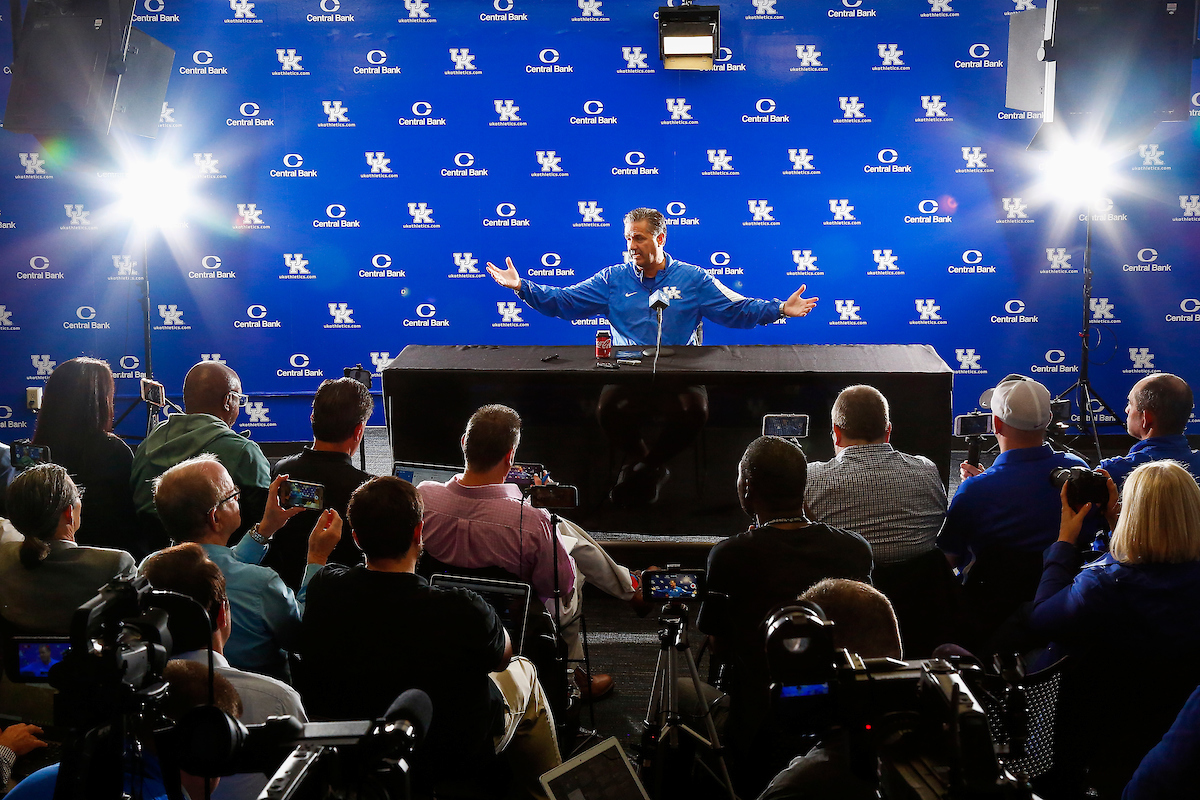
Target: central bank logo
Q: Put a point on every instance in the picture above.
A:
(380, 360)
(296, 264)
(590, 211)
(679, 109)
(509, 313)
(335, 111)
(928, 310)
(79, 218)
(847, 310)
(464, 62)
(172, 317)
(242, 9)
(889, 56)
(378, 163)
(289, 62)
(35, 166)
(341, 313)
(968, 359)
(257, 414)
(885, 262)
(760, 210)
(466, 264)
(1141, 357)
(635, 59)
(934, 106)
(851, 107)
(810, 59)
(417, 9)
(251, 216)
(975, 160)
(1060, 260)
(422, 216)
(43, 364)
(549, 161)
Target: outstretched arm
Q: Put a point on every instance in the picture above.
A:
(799, 306)
(508, 278)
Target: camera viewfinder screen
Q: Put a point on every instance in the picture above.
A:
(36, 658)
(25, 456)
(308, 495)
(673, 585)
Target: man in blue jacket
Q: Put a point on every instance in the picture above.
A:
(1157, 415)
(622, 293)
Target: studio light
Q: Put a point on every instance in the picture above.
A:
(689, 37)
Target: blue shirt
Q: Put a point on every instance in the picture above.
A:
(266, 615)
(1172, 768)
(1156, 448)
(1012, 505)
(40, 785)
(623, 295)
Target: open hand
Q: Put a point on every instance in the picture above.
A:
(796, 305)
(508, 278)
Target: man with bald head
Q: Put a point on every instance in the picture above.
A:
(1157, 415)
(212, 399)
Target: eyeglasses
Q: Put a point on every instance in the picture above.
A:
(223, 501)
(242, 399)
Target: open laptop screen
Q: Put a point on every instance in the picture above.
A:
(415, 472)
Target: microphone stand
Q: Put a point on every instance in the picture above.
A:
(658, 302)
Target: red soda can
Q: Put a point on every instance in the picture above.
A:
(604, 344)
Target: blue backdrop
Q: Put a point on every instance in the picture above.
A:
(354, 163)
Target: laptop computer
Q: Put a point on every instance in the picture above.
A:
(415, 472)
(601, 773)
(510, 600)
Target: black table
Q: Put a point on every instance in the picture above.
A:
(430, 391)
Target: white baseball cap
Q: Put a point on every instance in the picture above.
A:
(1020, 402)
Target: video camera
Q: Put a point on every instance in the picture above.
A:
(913, 726)
(111, 693)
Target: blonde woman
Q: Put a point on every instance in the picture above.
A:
(1130, 620)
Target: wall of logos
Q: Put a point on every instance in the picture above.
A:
(353, 164)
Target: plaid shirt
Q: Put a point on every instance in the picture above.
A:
(893, 500)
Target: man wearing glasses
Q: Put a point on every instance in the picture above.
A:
(212, 399)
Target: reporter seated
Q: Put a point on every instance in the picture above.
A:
(1130, 621)
(187, 687)
(46, 577)
(863, 623)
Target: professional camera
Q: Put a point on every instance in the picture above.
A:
(916, 727)
(1083, 486)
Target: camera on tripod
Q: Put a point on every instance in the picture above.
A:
(1083, 486)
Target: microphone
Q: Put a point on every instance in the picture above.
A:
(659, 301)
(414, 707)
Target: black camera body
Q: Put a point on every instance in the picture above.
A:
(1083, 485)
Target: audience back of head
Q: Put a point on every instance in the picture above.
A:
(384, 514)
(1160, 518)
(863, 620)
(186, 569)
(185, 494)
(206, 388)
(77, 405)
(861, 412)
(1169, 398)
(775, 471)
(36, 501)
(339, 406)
(491, 433)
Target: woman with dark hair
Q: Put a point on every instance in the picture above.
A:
(46, 577)
(76, 423)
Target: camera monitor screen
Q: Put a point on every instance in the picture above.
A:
(674, 585)
(31, 657)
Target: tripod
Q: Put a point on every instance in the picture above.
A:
(662, 725)
(1084, 385)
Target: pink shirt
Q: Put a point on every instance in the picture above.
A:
(481, 526)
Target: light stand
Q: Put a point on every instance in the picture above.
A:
(144, 302)
(1086, 391)
(663, 724)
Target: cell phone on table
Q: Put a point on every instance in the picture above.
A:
(25, 454)
(302, 493)
(523, 474)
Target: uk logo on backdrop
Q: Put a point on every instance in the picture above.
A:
(764, 9)
(379, 163)
(847, 311)
(1190, 204)
(549, 165)
(297, 267)
(635, 61)
(290, 62)
(466, 266)
(464, 62)
(78, 218)
(852, 110)
(720, 163)
(590, 11)
(380, 359)
(928, 310)
(975, 160)
(890, 59)
(249, 217)
(1059, 262)
(336, 115)
(1015, 212)
(843, 213)
(801, 162)
(422, 216)
(418, 12)
(34, 167)
(885, 263)
(590, 214)
(6, 321)
(1141, 360)
(43, 364)
(760, 212)
(968, 361)
(125, 268)
(680, 112)
(258, 415)
(805, 264)
(1152, 158)
(172, 318)
(935, 109)
(510, 315)
(243, 13)
(343, 316)
(939, 8)
(1102, 311)
(810, 59)
(507, 115)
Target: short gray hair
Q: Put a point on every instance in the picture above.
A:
(658, 223)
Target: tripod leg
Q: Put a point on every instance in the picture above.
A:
(710, 726)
